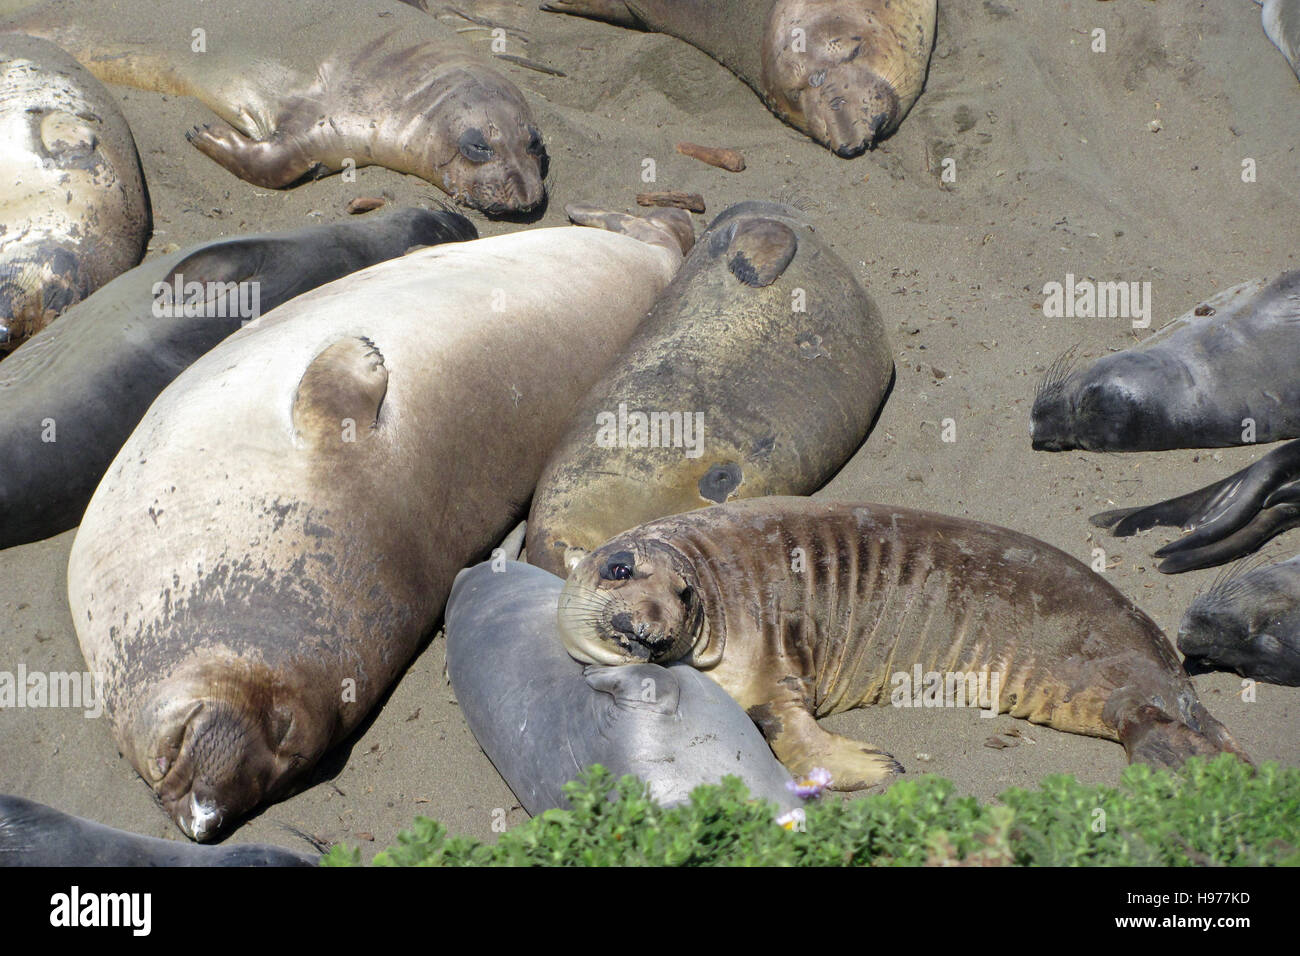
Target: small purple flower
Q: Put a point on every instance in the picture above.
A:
(812, 785)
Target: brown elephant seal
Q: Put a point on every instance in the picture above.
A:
(74, 213)
(758, 372)
(845, 72)
(264, 555)
(303, 89)
(803, 608)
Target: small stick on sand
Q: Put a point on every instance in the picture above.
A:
(691, 201)
(729, 159)
(362, 204)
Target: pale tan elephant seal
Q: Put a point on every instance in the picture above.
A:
(264, 555)
(73, 211)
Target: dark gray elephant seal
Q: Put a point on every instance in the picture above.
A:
(1223, 521)
(281, 530)
(758, 372)
(845, 72)
(73, 393)
(306, 89)
(1223, 374)
(73, 213)
(542, 718)
(32, 834)
(801, 608)
(1248, 622)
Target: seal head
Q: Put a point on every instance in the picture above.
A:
(632, 602)
(1119, 403)
(487, 151)
(1245, 624)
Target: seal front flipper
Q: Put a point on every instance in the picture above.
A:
(1190, 554)
(341, 392)
(757, 250)
(1228, 504)
(803, 746)
(270, 163)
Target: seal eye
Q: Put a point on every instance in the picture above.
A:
(474, 147)
(686, 594)
(535, 146)
(618, 567)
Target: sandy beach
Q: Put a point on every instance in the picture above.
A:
(1124, 165)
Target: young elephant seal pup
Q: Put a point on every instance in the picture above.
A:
(1223, 374)
(803, 608)
(32, 834)
(74, 213)
(758, 372)
(306, 89)
(845, 72)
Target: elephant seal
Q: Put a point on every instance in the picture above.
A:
(844, 72)
(32, 834)
(542, 718)
(1281, 19)
(758, 372)
(1223, 521)
(273, 541)
(303, 89)
(1248, 622)
(74, 212)
(1223, 374)
(73, 393)
(803, 608)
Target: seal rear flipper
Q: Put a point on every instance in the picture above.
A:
(1151, 736)
(611, 11)
(341, 392)
(1190, 554)
(670, 228)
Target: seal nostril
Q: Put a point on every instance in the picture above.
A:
(622, 622)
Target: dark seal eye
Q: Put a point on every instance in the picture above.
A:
(618, 567)
(535, 146)
(474, 146)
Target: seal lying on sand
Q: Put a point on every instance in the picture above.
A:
(72, 394)
(1223, 521)
(843, 71)
(803, 608)
(74, 213)
(542, 718)
(305, 89)
(266, 552)
(1248, 622)
(1223, 374)
(32, 834)
(1281, 20)
(758, 372)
